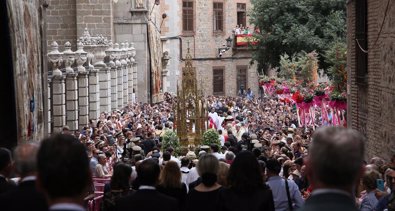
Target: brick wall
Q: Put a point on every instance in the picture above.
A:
(61, 22)
(96, 15)
(67, 19)
(374, 115)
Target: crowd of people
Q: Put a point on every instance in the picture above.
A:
(265, 161)
(246, 30)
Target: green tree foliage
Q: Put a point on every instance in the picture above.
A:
(170, 139)
(211, 137)
(336, 57)
(292, 26)
(288, 66)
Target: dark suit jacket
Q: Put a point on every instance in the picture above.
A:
(260, 200)
(147, 200)
(24, 197)
(5, 185)
(329, 202)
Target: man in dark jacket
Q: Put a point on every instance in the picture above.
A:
(147, 198)
(334, 167)
(63, 172)
(25, 196)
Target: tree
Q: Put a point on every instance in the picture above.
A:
(170, 139)
(292, 26)
(211, 137)
(336, 57)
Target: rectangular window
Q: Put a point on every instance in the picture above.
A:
(241, 14)
(218, 81)
(187, 16)
(241, 79)
(218, 16)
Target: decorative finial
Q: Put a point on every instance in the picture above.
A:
(80, 46)
(67, 47)
(55, 46)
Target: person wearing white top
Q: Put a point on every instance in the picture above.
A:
(221, 137)
(192, 176)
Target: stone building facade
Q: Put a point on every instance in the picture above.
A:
(156, 29)
(371, 75)
(226, 73)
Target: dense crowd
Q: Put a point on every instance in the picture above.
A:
(265, 161)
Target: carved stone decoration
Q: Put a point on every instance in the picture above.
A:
(110, 56)
(55, 57)
(139, 4)
(128, 53)
(117, 54)
(95, 46)
(190, 107)
(165, 58)
(99, 39)
(69, 57)
(133, 52)
(80, 56)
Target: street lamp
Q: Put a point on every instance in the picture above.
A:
(228, 45)
(229, 42)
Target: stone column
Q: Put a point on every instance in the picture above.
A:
(134, 72)
(58, 110)
(58, 103)
(118, 66)
(72, 101)
(105, 89)
(124, 64)
(49, 106)
(130, 72)
(83, 97)
(165, 63)
(71, 89)
(94, 94)
(114, 77)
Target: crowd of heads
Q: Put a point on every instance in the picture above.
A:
(261, 139)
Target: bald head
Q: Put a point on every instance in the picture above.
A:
(336, 156)
(25, 156)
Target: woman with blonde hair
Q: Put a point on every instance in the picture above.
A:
(170, 183)
(208, 189)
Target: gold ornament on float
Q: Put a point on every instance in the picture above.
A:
(190, 107)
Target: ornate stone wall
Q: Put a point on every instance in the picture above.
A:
(81, 83)
(372, 106)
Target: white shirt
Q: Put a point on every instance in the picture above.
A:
(192, 176)
(28, 178)
(184, 174)
(218, 156)
(66, 206)
(172, 158)
(222, 139)
(147, 187)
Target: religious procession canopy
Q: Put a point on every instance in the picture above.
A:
(190, 109)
